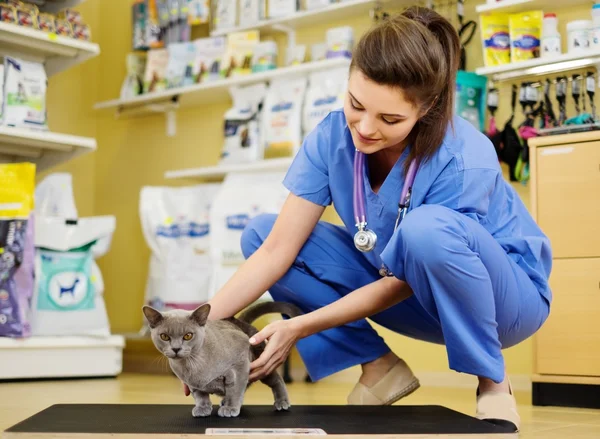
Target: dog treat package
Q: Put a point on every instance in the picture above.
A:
(179, 67)
(155, 76)
(17, 182)
(8, 14)
(283, 117)
(209, 56)
(243, 196)
(176, 227)
(242, 126)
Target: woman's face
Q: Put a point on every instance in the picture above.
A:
(379, 116)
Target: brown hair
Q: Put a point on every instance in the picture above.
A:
(417, 51)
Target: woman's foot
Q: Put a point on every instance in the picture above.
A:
(496, 403)
(383, 382)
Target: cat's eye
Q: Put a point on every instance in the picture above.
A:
(164, 337)
(188, 336)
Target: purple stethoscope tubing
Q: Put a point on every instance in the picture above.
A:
(365, 239)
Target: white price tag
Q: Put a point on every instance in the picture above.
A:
(265, 431)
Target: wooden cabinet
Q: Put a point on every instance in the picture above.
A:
(565, 201)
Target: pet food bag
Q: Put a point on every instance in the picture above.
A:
(54, 197)
(25, 86)
(176, 226)
(242, 126)
(17, 183)
(180, 65)
(283, 117)
(209, 55)
(325, 93)
(243, 196)
(69, 288)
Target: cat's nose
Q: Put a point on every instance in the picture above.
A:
(176, 350)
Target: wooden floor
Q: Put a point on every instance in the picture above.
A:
(22, 399)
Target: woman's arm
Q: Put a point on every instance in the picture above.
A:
(271, 261)
(364, 302)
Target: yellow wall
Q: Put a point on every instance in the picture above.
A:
(136, 152)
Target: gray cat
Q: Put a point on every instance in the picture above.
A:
(213, 357)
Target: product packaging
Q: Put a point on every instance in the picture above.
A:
(82, 32)
(318, 51)
(237, 60)
(283, 117)
(8, 14)
(148, 28)
(63, 28)
(316, 4)
(471, 98)
(579, 35)
(225, 14)
(326, 91)
(251, 12)
(339, 42)
(156, 70)
(282, 8)
(25, 94)
(264, 56)
(177, 228)
(295, 55)
(242, 126)
(1, 94)
(551, 41)
(133, 85)
(180, 65)
(208, 60)
(27, 17)
(525, 35)
(243, 196)
(198, 11)
(595, 39)
(46, 23)
(17, 186)
(71, 15)
(495, 34)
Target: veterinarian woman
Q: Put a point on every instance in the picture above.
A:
(466, 267)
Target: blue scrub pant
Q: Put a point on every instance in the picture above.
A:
(468, 294)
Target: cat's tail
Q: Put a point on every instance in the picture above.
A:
(253, 312)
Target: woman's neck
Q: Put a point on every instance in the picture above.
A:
(380, 164)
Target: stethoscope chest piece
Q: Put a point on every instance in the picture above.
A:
(365, 240)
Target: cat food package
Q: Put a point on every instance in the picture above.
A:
(326, 91)
(525, 35)
(155, 77)
(209, 56)
(69, 289)
(176, 227)
(242, 196)
(495, 35)
(243, 142)
(180, 64)
(17, 183)
(283, 117)
(25, 94)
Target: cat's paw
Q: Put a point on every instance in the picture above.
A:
(202, 411)
(228, 411)
(282, 404)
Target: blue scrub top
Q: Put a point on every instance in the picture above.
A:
(463, 175)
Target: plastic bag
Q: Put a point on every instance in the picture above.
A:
(17, 182)
(54, 197)
(175, 224)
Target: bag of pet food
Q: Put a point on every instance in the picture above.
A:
(180, 65)
(283, 117)
(25, 94)
(68, 298)
(17, 183)
(176, 227)
(242, 125)
(326, 91)
(243, 196)
(209, 56)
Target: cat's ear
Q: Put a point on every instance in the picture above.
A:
(153, 316)
(200, 314)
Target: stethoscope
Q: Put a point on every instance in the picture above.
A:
(365, 239)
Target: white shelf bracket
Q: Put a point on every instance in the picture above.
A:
(169, 109)
(289, 31)
(171, 120)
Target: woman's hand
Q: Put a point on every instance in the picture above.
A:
(281, 337)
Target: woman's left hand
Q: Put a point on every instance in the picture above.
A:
(281, 337)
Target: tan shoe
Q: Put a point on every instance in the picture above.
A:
(397, 383)
(499, 408)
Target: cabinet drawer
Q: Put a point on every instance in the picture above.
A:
(569, 341)
(568, 199)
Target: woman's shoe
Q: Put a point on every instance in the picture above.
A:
(499, 408)
(396, 384)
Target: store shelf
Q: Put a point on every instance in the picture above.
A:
(541, 66)
(216, 91)
(511, 6)
(60, 357)
(281, 164)
(334, 12)
(44, 148)
(56, 52)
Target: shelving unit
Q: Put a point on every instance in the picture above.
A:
(540, 66)
(221, 171)
(44, 148)
(56, 52)
(54, 6)
(511, 6)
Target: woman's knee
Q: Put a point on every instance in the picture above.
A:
(255, 233)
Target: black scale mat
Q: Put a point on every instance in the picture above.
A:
(177, 419)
